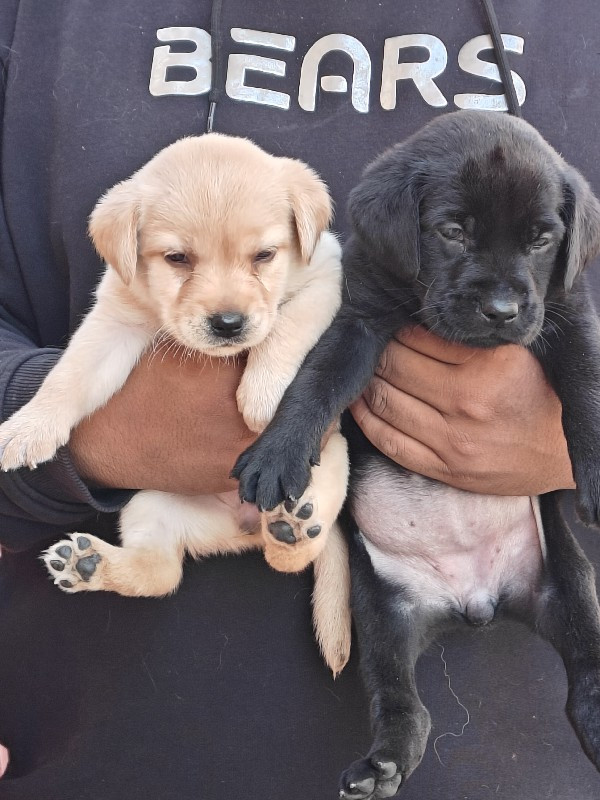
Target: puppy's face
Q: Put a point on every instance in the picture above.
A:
(481, 218)
(206, 235)
(489, 241)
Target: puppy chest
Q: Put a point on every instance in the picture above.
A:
(447, 546)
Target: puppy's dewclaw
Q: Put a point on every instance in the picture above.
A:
(218, 248)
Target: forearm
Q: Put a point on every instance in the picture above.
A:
(36, 504)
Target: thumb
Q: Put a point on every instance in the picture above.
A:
(4, 759)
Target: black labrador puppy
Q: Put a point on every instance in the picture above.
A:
(478, 229)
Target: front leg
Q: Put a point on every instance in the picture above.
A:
(300, 323)
(295, 532)
(570, 356)
(392, 632)
(95, 365)
(277, 467)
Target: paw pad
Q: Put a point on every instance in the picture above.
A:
(294, 520)
(72, 563)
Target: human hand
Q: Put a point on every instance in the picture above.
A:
(174, 427)
(3, 760)
(482, 420)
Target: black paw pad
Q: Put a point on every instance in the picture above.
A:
(87, 566)
(83, 542)
(66, 584)
(305, 512)
(314, 531)
(57, 565)
(282, 531)
(64, 551)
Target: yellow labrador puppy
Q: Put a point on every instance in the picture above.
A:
(221, 248)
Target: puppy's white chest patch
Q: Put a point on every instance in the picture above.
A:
(449, 547)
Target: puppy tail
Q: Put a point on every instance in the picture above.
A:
(331, 601)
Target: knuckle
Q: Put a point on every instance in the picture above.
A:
(474, 407)
(461, 444)
(378, 397)
(393, 448)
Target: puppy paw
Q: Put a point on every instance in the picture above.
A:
(74, 563)
(257, 400)
(295, 520)
(370, 779)
(583, 710)
(588, 497)
(294, 534)
(272, 471)
(27, 440)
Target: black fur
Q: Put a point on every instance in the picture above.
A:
(479, 230)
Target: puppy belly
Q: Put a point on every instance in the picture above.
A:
(449, 548)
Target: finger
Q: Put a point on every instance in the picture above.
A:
(405, 413)
(428, 344)
(398, 446)
(414, 373)
(4, 759)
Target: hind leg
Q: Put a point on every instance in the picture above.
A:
(568, 616)
(156, 530)
(392, 633)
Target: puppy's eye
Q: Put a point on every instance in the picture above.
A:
(264, 256)
(177, 258)
(454, 233)
(541, 242)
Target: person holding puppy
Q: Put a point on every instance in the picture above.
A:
(219, 690)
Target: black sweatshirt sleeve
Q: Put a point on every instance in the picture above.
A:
(34, 505)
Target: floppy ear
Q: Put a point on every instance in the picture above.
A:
(581, 215)
(113, 227)
(384, 209)
(311, 204)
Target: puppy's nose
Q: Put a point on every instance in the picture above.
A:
(498, 310)
(227, 325)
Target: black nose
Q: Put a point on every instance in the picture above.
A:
(227, 325)
(499, 311)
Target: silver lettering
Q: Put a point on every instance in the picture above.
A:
(198, 60)
(469, 61)
(264, 39)
(237, 89)
(361, 76)
(422, 73)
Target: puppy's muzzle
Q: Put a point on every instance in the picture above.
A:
(227, 325)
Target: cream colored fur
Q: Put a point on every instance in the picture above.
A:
(223, 204)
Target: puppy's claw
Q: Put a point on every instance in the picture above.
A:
(367, 779)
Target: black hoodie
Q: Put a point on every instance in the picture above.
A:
(218, 692)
